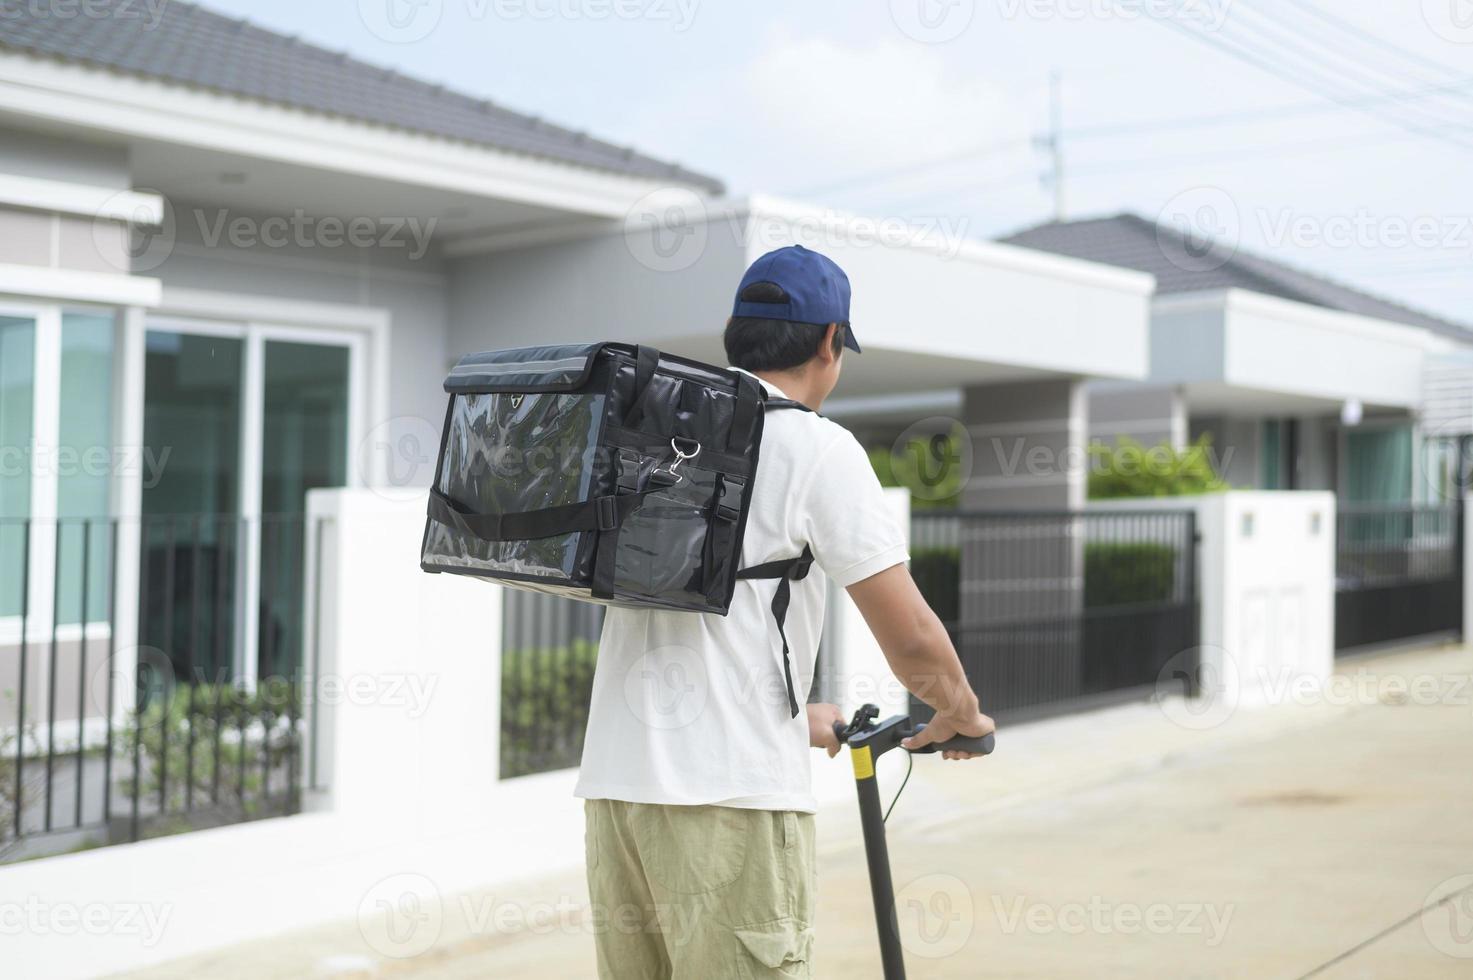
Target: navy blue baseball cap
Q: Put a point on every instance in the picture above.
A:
(818, 290)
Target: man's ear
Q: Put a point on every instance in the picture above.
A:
(826, 349)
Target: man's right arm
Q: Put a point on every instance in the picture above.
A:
(920, 652)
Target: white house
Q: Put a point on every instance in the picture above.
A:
(1303, 382)
(234, 267)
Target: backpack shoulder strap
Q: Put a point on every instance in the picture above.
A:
(776, 404)
(786, 571)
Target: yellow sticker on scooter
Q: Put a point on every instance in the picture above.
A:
(864, 763)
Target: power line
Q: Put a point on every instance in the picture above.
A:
(1258, 61)
(910, 169)
(966, 193)
(1334, 64)
(1286, 148)
(1111, 130)
(1374, 40)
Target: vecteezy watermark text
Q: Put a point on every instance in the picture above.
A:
(36, 917)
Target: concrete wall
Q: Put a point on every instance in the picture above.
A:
(1235, 446)
(412, 288)
(604, 287)
(928, 310)
(1028, 445)
(46, 157)
(55, 240)
(1267, 586)
(1261, 343)
(1149, 414)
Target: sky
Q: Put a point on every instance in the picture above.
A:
(1337, 136)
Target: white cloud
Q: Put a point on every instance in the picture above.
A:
(808, 112)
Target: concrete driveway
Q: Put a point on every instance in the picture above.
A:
(1326, 835)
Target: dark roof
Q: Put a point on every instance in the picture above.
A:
(189, 45)
(1183, 265)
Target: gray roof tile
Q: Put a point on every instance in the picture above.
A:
(1133, 242)
(193, 46)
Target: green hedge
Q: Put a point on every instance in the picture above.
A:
(937, 572)
(1122, 573)
(1115, 574)
(544, 707)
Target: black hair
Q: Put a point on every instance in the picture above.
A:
(760, 344)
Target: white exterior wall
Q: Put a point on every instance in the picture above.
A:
(412, 292)
(1263, 344)
(927, 312)
(1267, 585)
(597, 288)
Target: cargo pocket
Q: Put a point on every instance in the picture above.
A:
(783, 946)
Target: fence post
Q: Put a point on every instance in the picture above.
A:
(410, 672)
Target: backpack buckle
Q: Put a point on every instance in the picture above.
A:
(607, 509)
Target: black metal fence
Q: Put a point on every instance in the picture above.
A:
(103, 740)
(548, 649)
(1051, 610)
(1398, 574)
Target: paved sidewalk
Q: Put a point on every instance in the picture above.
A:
(1267, 842)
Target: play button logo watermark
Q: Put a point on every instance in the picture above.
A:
(667, 687)
(401, 916)
(1200, 688)
(933, 21)
(1451, 20)
(1447, 917)
(401, 21)
(666, 229)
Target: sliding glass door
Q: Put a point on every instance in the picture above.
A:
(304, 446)
(190, 533)
(244, 420)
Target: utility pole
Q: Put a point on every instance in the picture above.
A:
(1056, 140)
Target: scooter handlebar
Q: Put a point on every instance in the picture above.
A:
(902, 728)
(959, 743)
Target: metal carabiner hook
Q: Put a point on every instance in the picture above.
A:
(681, 457)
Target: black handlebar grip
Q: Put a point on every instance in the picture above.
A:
(960, 743)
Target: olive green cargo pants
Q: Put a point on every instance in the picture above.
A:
(700, 892)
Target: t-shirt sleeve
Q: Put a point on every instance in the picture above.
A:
(847, 519)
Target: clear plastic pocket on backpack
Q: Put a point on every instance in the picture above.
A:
(510, 452)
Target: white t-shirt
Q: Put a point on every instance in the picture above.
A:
(692, 708)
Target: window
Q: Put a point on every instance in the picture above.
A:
(17, 407)
(1271, 455)
(84, 466)
(1378, 465)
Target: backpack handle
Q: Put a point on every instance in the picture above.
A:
(646, 359)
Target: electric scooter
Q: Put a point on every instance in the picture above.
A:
(867, 741)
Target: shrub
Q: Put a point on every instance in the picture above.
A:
(1130, 469)
(1115, 574)
(180, 734)
(938, 574)
(544, 707)
(1124, 573)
